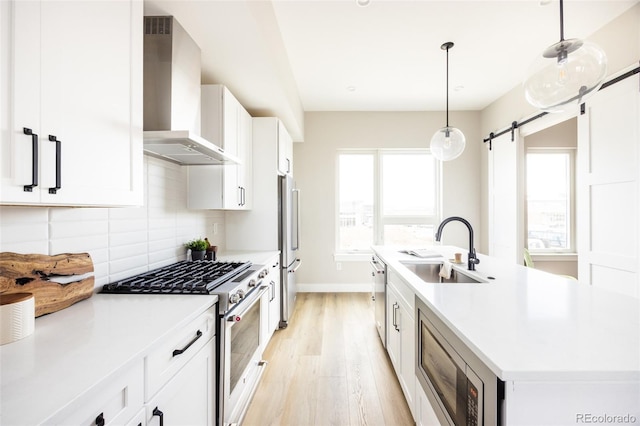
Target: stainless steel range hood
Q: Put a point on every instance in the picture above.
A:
(172, 96)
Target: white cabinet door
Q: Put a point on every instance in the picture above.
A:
(393, 330)
(285, 150)
(424, 413)
(401, 334)
(227, 124)
(113, 401)
(81, 86)
(189, 397)
(245, 153)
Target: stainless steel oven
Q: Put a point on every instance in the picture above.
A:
(241, 345)
(460, 388)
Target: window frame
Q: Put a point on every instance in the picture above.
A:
(572, 249)
(379, 219)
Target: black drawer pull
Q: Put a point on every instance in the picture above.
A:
(58, 143)
(100, 420)
(34, 159)
(181, 351)
(160, 414)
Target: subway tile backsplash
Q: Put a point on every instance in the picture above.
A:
(121, 241)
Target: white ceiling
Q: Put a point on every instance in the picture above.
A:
(284, 57)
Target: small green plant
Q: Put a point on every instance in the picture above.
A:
(197, 245)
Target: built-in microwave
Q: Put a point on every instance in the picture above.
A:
(460, 388)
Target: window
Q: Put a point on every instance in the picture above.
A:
(550, 207)
(386, 197)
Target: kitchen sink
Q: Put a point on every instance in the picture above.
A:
(430, 272)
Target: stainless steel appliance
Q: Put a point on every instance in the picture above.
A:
(460, 388)
(242, 315)
(172, 106)
(379, 278)
(289, 242)
(240, 340)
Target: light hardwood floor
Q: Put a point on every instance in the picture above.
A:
(329, 368)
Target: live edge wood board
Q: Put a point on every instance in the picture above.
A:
(37, 274)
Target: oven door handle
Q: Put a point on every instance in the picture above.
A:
(252, 297)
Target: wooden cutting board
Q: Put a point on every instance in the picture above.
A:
(56, 282)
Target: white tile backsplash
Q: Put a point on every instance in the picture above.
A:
(121, 241)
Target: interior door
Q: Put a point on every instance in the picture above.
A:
(506, 198)
(608, 191)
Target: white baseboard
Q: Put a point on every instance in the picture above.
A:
(334, 288)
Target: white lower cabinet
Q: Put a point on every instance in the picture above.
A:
(174, 384)
(424, 414)
(114, 402)
(180, 376)
(401, 334)
(188, 398)
(138, 420)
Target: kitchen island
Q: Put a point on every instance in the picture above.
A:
(559, 345)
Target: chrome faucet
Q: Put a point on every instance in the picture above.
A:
(472, 259)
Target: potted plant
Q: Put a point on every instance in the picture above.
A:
(198, 248)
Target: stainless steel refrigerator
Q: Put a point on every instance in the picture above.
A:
(289, 243)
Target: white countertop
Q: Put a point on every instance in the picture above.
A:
(530, 325)
(74, 349)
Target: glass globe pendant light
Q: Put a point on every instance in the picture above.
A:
(566, 73)
(448, 142)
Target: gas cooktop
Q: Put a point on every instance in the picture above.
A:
(185, 277)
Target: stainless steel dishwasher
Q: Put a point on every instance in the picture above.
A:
(379, 277)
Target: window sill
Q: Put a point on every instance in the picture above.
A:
(554, 257)
(356, 256)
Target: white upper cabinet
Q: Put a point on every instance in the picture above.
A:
(228, 125)
(285, 150)
(77, 88)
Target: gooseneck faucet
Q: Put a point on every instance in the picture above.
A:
(472, 259)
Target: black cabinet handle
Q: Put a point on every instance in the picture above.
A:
(181, 351)
(58, 143)
(160, 414)
(100, 420)
(34, 159)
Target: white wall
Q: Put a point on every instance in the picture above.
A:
(121, 241)
(315, 173)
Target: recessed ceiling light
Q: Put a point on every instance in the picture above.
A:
(351, 88)
(363, 3)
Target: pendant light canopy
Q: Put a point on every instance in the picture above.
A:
(448, 142)
(565, 74)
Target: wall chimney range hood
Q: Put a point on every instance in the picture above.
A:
(172, 97)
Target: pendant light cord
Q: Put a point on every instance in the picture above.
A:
(448, 85)
(446, 46)
(561, 22)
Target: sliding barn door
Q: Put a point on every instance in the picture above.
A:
(608, 216)
(506, 199)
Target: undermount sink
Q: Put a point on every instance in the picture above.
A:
(430, 272)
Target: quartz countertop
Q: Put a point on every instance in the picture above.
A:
(530, 325)
(74, 349)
